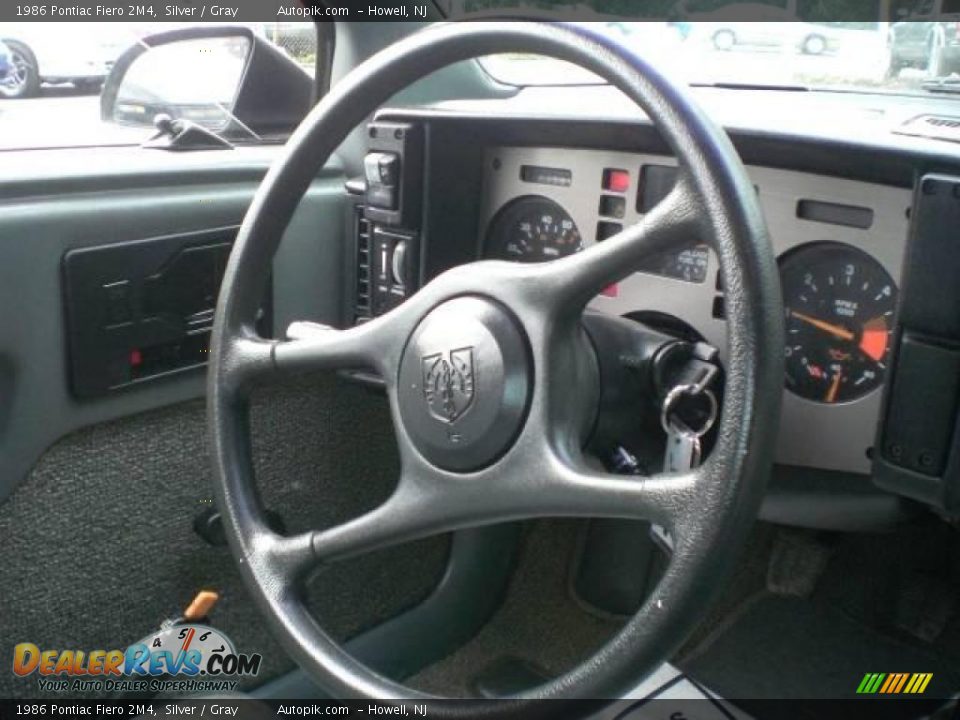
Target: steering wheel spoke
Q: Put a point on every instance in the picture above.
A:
(571, 282)
(428, 501)
(246, 359)
(664, 499)
(289, 558)
(319, 347)
(404, 516)
(424, 503)
(312, 347)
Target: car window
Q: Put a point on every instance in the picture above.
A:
(850, 56)
(52, 74)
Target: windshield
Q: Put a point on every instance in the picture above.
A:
(902, 57)
(52, 73)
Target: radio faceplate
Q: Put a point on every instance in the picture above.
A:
(142, 310)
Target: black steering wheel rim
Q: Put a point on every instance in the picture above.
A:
(711, 510)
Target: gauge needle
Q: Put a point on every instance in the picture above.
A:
(835, 330)
(834, 387)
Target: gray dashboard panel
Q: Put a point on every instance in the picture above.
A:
(92, 197)
(829, 437)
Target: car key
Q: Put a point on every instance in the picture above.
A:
(683, 448)
(683, 440)
(683, 451)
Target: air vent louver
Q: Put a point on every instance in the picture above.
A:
(362, 232)
(937, 127)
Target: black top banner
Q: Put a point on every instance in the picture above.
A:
(248, 11)
(197, 11)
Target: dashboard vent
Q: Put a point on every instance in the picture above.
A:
(362, 234)
(938, 127)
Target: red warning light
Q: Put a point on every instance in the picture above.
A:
(616, 180)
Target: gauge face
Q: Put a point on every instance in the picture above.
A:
(532, 229)
(839, 305)
(689, 264)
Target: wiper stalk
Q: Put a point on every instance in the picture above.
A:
(950, 86)
(750, 86)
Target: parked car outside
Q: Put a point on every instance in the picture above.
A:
(783, 33)
(37, 57)
(927, 37)
(5, 63)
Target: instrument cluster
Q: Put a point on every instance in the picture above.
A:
(839, 242)
(535, 228)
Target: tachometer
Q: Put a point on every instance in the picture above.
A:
(532, 229)
(839, 305)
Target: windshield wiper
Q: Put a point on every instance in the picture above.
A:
(949, 85)
(751, 86)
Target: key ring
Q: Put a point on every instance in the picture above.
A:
(673, 397)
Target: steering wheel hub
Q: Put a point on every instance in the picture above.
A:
(464, 383)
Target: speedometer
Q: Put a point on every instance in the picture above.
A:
(532, 229)
(839, 304)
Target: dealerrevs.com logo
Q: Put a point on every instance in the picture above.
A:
(178, 658)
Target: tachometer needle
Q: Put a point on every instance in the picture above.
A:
(835, 330)
(834, 387)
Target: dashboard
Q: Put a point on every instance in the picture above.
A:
(840, 242)
(862, 220)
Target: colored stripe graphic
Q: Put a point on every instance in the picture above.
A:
(894, 683)
(918, 683)
(870, 683)
(900, 684)
(891, 680)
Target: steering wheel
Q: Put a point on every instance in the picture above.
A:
(492, 381)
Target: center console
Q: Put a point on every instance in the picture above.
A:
(919, 436)
(387, 222)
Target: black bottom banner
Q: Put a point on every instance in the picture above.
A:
(651, 709)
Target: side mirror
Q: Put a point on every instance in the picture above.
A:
(225, 79)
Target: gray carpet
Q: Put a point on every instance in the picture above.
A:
(792, 648)
(98, 541)
(544, 625)
(859, 618)
(753, 644)
(539, 623)
(748, 579)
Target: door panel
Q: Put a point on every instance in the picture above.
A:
(98, 496)
(36, 230)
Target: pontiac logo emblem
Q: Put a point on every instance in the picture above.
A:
(448, 385)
